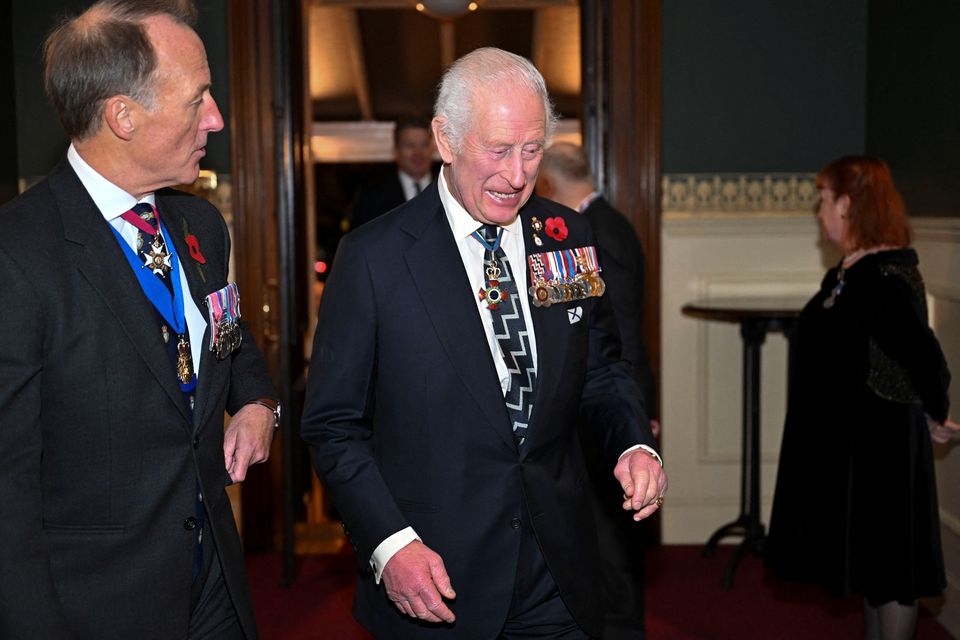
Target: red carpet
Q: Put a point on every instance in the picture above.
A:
(684, 601)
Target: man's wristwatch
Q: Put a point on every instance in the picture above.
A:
(271, 404)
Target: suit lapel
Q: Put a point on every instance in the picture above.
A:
(209, 385)
(95, 251)
(437, 271)
(551, 330)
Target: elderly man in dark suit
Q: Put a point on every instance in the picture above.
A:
(120, 349)
(461, 339)
(566, 177)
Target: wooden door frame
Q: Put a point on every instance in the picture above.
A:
(621, 128)
(268, 153)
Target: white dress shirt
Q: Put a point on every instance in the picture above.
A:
(113, 202)
(412, 188)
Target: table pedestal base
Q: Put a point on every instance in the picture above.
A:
(754, 535)
(756, 319)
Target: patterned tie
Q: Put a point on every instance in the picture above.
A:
(509, 328)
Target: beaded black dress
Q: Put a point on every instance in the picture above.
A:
(855, 507)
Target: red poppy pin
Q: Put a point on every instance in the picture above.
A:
(194, 245)
(556, 228)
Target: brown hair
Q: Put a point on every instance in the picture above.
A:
(101, 53)
(877, 215)
(409, 122)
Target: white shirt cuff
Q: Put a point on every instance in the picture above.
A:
(386, 550)
(649, 450)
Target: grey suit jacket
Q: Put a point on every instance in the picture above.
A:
(101, 458)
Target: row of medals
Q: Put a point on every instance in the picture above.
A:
(228, 338)
(585, 284)
(158, 261)
(544, 293)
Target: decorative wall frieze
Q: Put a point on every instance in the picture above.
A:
(760, 192)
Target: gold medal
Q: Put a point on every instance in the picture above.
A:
(184, 361)
(599, 285)
(540, 295)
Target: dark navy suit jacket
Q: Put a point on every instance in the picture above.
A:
(407, 423)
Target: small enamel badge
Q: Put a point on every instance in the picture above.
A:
(157, 259)
(537, 227)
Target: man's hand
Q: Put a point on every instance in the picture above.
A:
(247, 439)
(417, 582)
(643, 481)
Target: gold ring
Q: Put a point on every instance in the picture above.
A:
(659, 501)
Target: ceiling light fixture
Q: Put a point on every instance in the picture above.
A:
(446, 9)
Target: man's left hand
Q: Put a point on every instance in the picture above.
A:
(247, 439)
(643, 481)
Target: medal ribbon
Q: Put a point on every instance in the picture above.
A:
(215, 301)
(492, 248)
(550, 268)
(142, 224)
(225, 308)
(570, 264)
(589, 259)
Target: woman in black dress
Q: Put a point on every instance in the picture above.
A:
(855, 507)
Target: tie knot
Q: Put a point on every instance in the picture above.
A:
(489, 232)
(144, 211)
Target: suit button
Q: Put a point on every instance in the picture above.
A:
(190, 524)
(196, 442)
(515, 523)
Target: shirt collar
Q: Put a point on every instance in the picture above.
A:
(111, 200)
(462, 223)
(409, 181)
(586, 202)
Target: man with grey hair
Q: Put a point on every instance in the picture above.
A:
(461, 338)
(121, 349)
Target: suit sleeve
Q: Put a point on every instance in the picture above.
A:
(623, 262)
(339, 407)
(248, 376)
(29, 605)
(611, 401)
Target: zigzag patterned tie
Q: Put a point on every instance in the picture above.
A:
(509, 328)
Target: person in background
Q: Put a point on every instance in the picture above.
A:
(413, 151)
(455, 354)
(566, 177)
(121, 347)
(855, 507)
